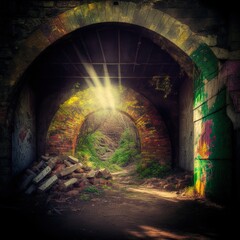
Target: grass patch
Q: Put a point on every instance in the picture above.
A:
(152, 169)
(93, 190)
(105, 187)
(127, 151)
(89, 192)
(87, 151)
(89, 147)
(85, 197)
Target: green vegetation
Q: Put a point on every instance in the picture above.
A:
(95, 144)
(90, 147)
(127, 151)
(85, 197)
(93, 190)
(87, 151)
(105, 187)
(153, 169)
(89, 192)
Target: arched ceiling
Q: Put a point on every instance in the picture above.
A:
(128, 52)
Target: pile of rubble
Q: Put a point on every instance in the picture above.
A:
(63, 174)
(174, 182)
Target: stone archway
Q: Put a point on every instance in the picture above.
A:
(209, 91)
(124, 12)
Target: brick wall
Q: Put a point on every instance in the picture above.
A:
(65, 127)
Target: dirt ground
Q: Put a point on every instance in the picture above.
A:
(125, 210)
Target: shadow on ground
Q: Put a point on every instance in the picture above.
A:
(123, 211)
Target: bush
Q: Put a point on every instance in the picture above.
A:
(86, 150)
(153, 169)
(89, 148)
(127, 150)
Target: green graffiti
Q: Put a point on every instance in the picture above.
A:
(209, 106)
(198, 80)
(206, 62)
(221, 135)
(199, 97)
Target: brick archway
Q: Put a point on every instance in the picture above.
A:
(65, 126)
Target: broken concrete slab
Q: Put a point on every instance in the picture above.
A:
(52, 162)
(79, 175)
(67, 163)
(48, 183)
(70, 182)
(69, 170)
(73, 159)
(47, 170)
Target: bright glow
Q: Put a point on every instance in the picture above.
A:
(103, 92)
(169, 196)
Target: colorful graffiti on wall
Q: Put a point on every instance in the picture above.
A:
(212, 128)
(205, 141)
(203, 149)
(203, 175)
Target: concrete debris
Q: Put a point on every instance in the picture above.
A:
(52, 162)
(79, 175)
(91, 174)
(70, 182)
(48, 183)
(67, 163)
(42, 174)
(69, 170)
(61, 174)
(73, 159)
(58, 168)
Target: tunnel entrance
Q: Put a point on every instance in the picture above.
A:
(93, 72)
(107, 139)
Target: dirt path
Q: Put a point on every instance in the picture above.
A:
(125, 210)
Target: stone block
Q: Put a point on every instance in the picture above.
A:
(42, 174)
(67, 163)
(69, 170)
(73, 159)
(70, 20)
(70, 182)
(48, 183)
